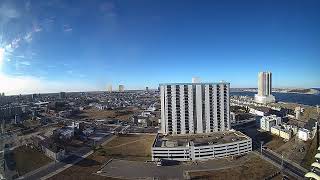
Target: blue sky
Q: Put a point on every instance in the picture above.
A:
(86, 45)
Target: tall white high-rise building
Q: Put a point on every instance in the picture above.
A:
(264, 95)
(189, 108)
(109, 88)
(121, 88)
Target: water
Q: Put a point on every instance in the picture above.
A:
(306, 99)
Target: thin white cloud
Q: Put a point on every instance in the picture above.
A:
(20, 56)
(26, 63)
(68, 29)
(28, 37)
(37, 29)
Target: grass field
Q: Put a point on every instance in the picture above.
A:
(131, 147)
(255, 168)
(28, 159)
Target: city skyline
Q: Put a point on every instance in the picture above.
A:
(59, 46)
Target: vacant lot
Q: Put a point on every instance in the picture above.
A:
(84, 169)
(131, 147)
(255, 168)
(275, 143)
(28, 159)
(108, 114)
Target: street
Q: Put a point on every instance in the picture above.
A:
(55, 166)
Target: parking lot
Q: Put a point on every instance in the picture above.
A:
(124, 169)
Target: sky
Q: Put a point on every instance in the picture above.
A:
(80, 45)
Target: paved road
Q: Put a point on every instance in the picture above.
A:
(56, 166)
(285, 164)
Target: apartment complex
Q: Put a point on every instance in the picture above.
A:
(121, 88)
(264, 95)
(189, 108)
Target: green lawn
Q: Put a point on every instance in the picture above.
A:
(28, 159)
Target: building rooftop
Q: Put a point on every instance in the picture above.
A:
(200, 139)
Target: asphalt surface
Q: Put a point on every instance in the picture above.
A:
(124, 169)
(286, 165)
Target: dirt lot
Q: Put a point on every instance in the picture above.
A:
(130, 147)
(84, 169)
(134, 147)
(275, 142)
(28, 159)
(255, 168)
(108, 114)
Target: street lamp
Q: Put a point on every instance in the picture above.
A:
(261, 143)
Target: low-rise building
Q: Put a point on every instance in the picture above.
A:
(304, 134)
(53, 150)
(260, 111)
(281, 132)
(64, 133)
(266, 122)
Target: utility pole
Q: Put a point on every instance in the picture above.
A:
(282, 160)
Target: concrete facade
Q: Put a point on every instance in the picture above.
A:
(264, 95)
(188, 108)
(191, 151)
(266, 122)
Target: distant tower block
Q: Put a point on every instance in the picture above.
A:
(264, 95)
(121, 88)
(298, 111)
(109, 89)
(147, 88)
(62, 95)
(196, 80)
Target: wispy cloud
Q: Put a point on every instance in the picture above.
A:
(67, 28)
(37, 29)
(28, 37)
(26, 63)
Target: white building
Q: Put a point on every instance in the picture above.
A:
(109, 88)
(188, 108)
(266, 122)
(298, 110)
(121, 88)
(232, 117)
(264, 95)
(304, 134)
